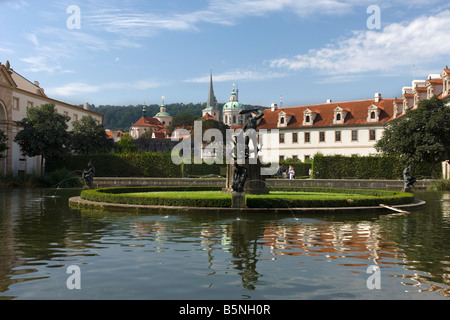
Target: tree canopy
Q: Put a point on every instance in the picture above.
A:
(44, 133)
(421, 135)
(88, 137)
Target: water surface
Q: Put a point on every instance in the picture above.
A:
(125, 255)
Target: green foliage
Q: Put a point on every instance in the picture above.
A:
(89, 137)
(439, 185)
(421, 135)
(365, 167)
(44, 133)
(3, 147)
(279, 198)
(126, 144)
(165, 196)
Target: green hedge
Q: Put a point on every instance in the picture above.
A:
(139, 164)
(366, 167)
(122, 196)
(368, 198)
(205, 199)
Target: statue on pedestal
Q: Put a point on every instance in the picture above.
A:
(408, 179)
(88, 175)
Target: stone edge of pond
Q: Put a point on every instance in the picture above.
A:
(77, 202)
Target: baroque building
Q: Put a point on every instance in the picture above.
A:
(17, 94)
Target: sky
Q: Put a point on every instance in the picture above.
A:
(289, 52)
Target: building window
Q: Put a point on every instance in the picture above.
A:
(354, 135)
(281, 120)
(295, 158)
(307, 158)
(234, 119)
(322, 136)
(307, 119)
(337, 136)
(281, 159)
(307, 137)
(372, 115)
(372, 135)
(338, 117)
(294, 137)
(281, 138)
(30, 104)
(16, 103)
(75, 117)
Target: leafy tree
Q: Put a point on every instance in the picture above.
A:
(88, 137)
(421, 135)
(3, 146)
(126, 144)
(44, 133)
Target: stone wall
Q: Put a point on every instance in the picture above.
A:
(395, 185)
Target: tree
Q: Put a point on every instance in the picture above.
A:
(421, 135)
(88, 137)
(126, 144)
(44, 133)
(3, 146)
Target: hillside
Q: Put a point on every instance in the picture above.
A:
(122, 117)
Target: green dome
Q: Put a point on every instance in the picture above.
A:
(233, 103)
(162, 114)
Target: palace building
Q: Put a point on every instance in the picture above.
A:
(331, 128)
(17, 94)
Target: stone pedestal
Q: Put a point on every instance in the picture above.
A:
(238, 200)
(255, 183)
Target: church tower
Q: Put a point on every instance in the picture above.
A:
(211, 104)
(231, 109)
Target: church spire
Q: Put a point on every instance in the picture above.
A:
(211, 97)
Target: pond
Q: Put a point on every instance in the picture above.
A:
(51, 251)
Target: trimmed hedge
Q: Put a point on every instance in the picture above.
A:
(365, 167)
(368, 198)
(361, 198)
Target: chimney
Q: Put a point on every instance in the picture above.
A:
(85, 106)
(36, 83)
(273, 107)
(329, 101)
(377, 97)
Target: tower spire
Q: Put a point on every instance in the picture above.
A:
(211, 98)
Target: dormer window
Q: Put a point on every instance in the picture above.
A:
(373, 114)
(283, 119)
(339, 115)
(308, 117)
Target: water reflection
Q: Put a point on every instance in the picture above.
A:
(190, 256)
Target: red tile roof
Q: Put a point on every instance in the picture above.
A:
(357, 114)
(149, 122)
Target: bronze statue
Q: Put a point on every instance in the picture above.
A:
(239, 177)
(408, 179)
(88, 175)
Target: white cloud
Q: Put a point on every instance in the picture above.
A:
(78, 88)
(398, 45)
(237, 75)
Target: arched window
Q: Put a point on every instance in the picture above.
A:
(338, 117)
(372, 115)
(307, 118)
(281, 120)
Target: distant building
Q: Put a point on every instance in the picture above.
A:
(115, 135)
(17, 94)
(151, 124)
(343, 128)
(211, 105)
(231, 110)
(163, 116)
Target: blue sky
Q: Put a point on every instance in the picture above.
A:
(131, 52)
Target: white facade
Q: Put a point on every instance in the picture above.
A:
(16, 95)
